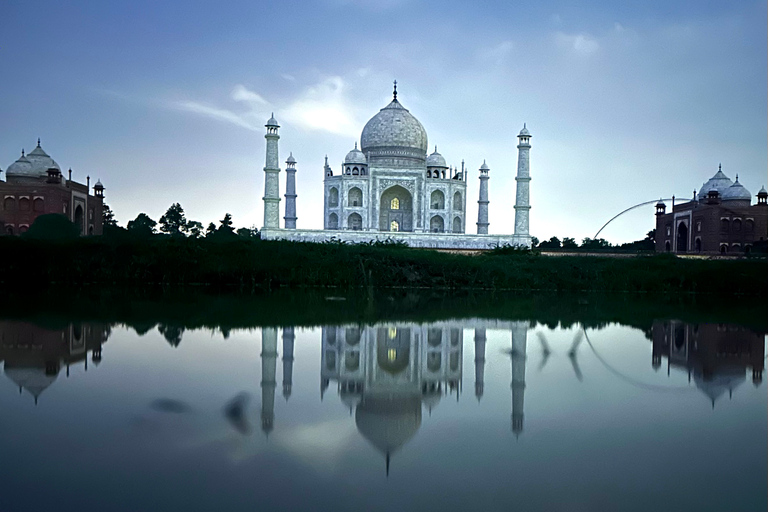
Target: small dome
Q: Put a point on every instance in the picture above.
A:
(40, 160)
(719, 182)
(98, 184)
(484, 167)
(272, 121)
(355, 157)
(21, 167)
(524, 132)
(763, 192)
(661, 204)
(290, 160)
(736, 192)
(436, 160)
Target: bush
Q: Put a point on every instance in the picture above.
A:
(52, 226)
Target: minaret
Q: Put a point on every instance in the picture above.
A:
(288, 337)
(290, 193)
(479, 362)
(268, 383)
(272, 177)
(519, 341)
(482, 209)
(523, 179)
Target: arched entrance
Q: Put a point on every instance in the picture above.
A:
(682, 237)
(436, 224)
(396, 210)
(79, 219)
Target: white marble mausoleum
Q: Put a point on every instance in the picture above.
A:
(388, 188)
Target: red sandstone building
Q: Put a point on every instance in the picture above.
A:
(34, 186)
(721, 220)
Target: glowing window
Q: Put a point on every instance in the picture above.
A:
(391, 354)
(394, 205)
(394, 226)
(392, 332)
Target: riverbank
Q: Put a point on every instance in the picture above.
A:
(251, 265)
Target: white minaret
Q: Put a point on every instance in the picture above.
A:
(288, 338)
(479, 362)
(482, 208)
(523, 179)
(519, 341)
(290, 193)
(268, 383)
(272, 177)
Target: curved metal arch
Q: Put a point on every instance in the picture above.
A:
(644, 203)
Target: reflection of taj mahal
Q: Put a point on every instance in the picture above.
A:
(389, 188)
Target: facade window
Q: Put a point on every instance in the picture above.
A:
(737, 224)
(669, 230)
(24, 204)
(698, 226)
(725, 224)
(749, 225)
(333, 221)
(394, 226)
(9, 204)
(394, 205)
(9, 229)
(38, 205)
(457, 201)
(333, 197)
(437, 200)
(355, 197)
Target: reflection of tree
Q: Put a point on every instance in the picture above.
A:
(171, 333)
(142, 328)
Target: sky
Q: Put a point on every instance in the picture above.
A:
(166, 102)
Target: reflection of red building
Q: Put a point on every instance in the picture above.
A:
(34, 186)
(33, 356)
(717, 356)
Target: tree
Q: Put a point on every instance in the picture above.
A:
(173, 221)
(225, 226)
(251, 232)
(108, 216)
(534, 242)
(52, 226)
(142, 226)
(211, 230)
(595, 244)
(552, 243)
(194, 229)
(569, 243)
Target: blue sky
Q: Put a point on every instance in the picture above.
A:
(166, 101)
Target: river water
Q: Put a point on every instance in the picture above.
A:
(442, 414)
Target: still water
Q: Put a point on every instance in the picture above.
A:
(454, 414)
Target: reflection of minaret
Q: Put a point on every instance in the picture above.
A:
(288, 338)
(519, 339)
(268, 383)
(479, 362)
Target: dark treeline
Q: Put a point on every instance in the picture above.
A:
(250, 264)
(181, 309)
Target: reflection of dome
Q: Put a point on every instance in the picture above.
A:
(389, 422)
(719, 182)
(350, 400)
(431, 400)
(436, 160)
(724, 379)
(394, 132)
(35, 380)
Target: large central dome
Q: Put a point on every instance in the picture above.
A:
(394, 133)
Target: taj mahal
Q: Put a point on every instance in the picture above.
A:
(389, 189)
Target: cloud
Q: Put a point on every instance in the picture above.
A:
(320, 107)
(324, 107)
(496, 54)
(580, 43)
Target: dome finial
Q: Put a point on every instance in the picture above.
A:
(38, 142)
(394, 93)
(737, 177)
(719, 167)
(435, 148)
(22, 151)
(355, 144)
